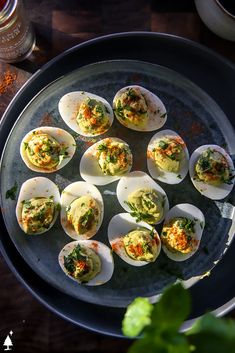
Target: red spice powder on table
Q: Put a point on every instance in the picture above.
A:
(6, 80)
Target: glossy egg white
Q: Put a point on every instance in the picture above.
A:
(72, 192)
(156, 110)
(102, 250)
(160, 174)
(90, 170)
(118, 227)
(69, 106)
(213, 192)
(139, 180)
(191, 212)
(37, 187)
(60, 135)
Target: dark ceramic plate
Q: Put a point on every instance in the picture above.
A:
(191, 113)
(194, 103)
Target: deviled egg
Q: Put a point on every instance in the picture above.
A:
(87, 262)
(139, 109)
(38, 205)
(47, 149)
(142, 197)
(182, 231)
(82, 210)
(138, 244)
(212, 171)
(167, 157)
(86, 113)
(106, 161)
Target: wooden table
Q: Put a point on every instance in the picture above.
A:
(58, 26)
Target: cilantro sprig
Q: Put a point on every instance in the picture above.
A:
(70, 260)
(159, 326)
(11, 193)
(138, 215)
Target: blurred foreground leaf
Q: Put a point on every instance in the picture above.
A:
(172, 309)
(160, 344)
(137, 317)
(210, 334)
(161, 323)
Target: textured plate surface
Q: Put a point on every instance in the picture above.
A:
(191, 113)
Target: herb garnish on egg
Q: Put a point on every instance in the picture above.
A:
(178, 235)
(82, 263)
(212, 168)
(93, 117)
(114, 157)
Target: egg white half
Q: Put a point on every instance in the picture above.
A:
(213, 192)
(102, 250)
(71, 193)
(60, 135)
(37, 187)
(138, 180)
(193, 213)
(90, 170)
(156, 110)
(118, 227)
(69, 106)
(160, 174)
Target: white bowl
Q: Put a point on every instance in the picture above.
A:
(217, 18)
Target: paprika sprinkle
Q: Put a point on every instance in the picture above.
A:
(6, 81)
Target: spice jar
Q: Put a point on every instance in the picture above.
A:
(17, 38)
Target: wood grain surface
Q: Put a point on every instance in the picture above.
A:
(58, 26)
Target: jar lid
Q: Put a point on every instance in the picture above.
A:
(7, 10)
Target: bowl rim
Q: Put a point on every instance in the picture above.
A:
(225, 11)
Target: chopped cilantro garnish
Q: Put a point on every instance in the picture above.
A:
(70, 260)
(152, 233)
(163, 145)
(106, 110)
(204, 163)
(102, 147)
(163, 115)
(187, 224)
(86, 218)
(139, 216)
(11, 193)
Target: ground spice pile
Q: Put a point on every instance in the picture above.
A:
(6, 81)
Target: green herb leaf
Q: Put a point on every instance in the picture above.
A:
(11, 193)
(163, 115)
(101, 147)
(168, 314)
(162, 323)
(163, 145)
(139, 216)
(211, 334)
(86, 218)
(161, 344)
(69, 261)
(137, 317)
